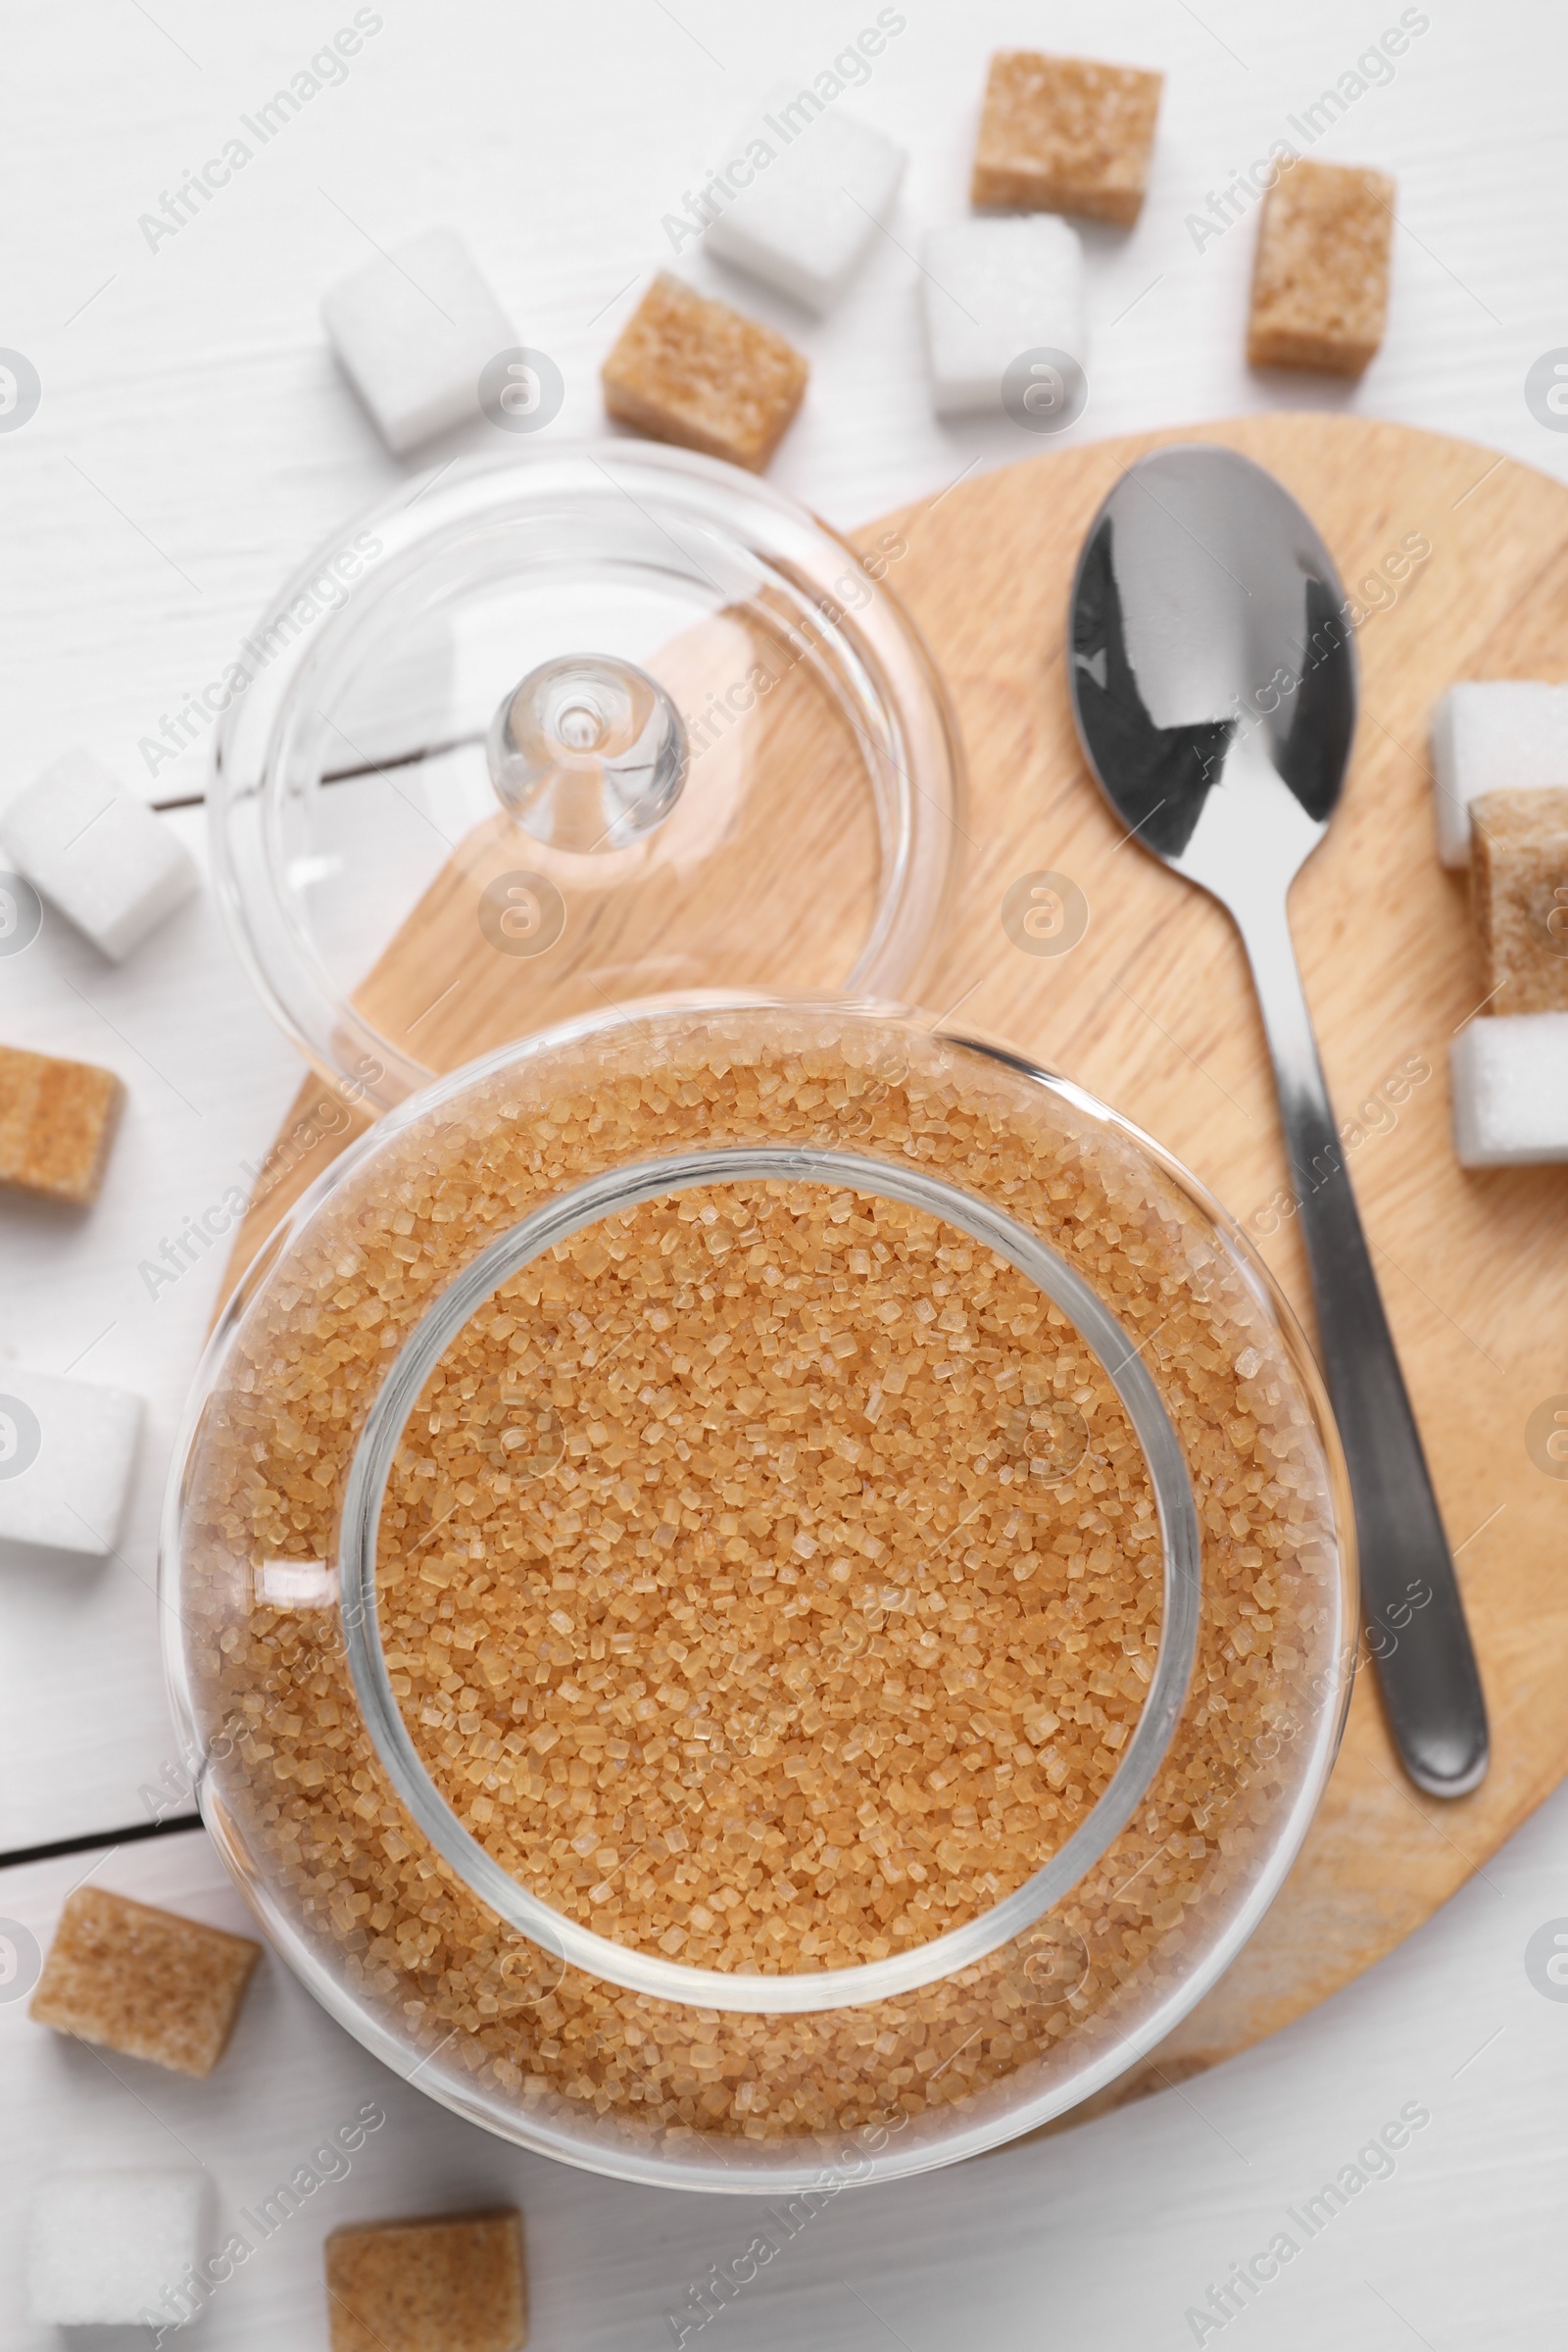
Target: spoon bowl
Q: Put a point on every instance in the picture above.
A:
(1214, 677)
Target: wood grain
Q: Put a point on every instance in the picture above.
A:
(1154, 1012)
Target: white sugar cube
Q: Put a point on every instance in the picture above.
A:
(413, 328)
(103, 858)
(1502, 735)
(1509, 1076)
(109, 2247)
(66, 1452)
(820, 183)
(995, 289)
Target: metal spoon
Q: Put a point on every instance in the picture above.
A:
(1213, 682)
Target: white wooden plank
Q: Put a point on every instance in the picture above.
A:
(193, 444)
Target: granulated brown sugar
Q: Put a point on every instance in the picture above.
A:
(395, 1925)
(856, 1614)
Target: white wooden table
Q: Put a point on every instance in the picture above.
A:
(193, 442)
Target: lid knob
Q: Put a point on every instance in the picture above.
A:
(588, 753)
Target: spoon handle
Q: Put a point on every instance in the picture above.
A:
(1415, 1623)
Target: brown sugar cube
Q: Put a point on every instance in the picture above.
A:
(452, 2283)
(1320, 282)
(1519, 897)
(57, 1119)
(145, 1983)
(1061, 134)
(694, 372)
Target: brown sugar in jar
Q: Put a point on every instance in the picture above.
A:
(808, 1558)
(769, 1579)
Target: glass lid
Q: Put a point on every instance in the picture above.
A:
(585, 726)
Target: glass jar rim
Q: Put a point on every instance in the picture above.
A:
(568, 1941)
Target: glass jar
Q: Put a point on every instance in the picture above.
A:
(758, 1596)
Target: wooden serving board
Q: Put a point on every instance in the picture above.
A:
(1154, 1012)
